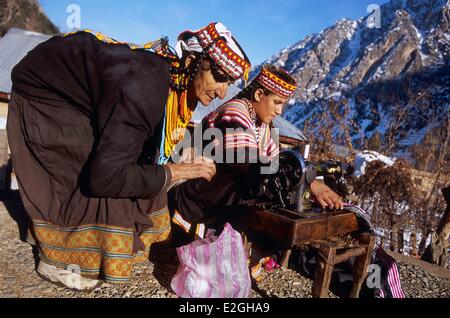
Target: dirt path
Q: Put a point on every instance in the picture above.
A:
(19, 279)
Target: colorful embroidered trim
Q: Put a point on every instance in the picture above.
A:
(177, 117)
(160, 47)
(99, 250)
(180, 221)
(275, 84)
(222, 54)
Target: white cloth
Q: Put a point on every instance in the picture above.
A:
(71, 280)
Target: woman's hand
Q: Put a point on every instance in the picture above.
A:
(326, 197)
(200, 167)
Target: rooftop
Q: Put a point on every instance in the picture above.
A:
(14, 46)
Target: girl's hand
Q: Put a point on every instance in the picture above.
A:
(326, 197)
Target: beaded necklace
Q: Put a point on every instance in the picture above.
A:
(252, 111)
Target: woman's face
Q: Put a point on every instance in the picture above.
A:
(269, 106)
(209, 84)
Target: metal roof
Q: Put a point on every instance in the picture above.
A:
(286, 128)
(14, 46)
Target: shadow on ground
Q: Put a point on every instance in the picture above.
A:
(165, 260)
(15, 208)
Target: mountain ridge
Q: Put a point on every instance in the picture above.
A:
(402, 64)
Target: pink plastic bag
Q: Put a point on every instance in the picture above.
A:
(213, 268)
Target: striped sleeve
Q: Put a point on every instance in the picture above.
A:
(236, 126)
(271, 146)
(271, 149)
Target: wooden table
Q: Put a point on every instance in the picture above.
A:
(291, 230)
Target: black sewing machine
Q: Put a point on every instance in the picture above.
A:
(288, 185)
(283, 209)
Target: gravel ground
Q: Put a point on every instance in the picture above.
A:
(418, 283)
(152, 280)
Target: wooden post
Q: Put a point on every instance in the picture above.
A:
(360, 269)
(247, 245)
(423, 242)
(413, 243)
(393, 239)
(284, 263)
(323, 272)
(401, 241)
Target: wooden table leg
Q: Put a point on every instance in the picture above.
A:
(284, 263)
(360, 269)
(247, 245)
(324, 269)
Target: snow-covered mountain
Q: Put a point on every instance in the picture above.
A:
(403, 64)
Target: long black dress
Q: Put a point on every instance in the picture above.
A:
(84, 127)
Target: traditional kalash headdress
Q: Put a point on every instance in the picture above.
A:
(274, 83)
(219, 44)
(215, 42)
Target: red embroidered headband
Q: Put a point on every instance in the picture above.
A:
(275, 84)
(223, 49)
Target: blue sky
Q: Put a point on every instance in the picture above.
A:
(263, 27)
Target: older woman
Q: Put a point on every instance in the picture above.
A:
(90, 127)
(245, 123)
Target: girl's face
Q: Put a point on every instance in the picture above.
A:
(269, 106)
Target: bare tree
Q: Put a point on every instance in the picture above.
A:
(400, 111)
(330, 129)
(436, 252)
(432, 156)
(389, 192)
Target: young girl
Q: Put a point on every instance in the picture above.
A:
(245, 124)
